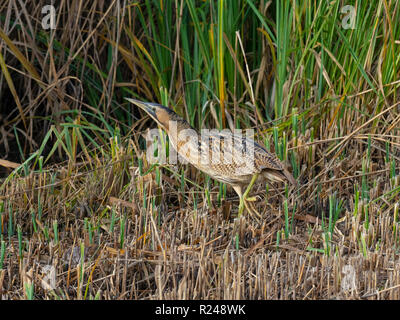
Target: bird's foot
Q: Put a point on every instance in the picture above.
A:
(251, 199)
(252, 211)
(246, 203)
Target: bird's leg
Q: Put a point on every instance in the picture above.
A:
(248, 189)
(238, 190)
(242, 203)
(243, 197)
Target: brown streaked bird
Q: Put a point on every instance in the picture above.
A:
(226, 156)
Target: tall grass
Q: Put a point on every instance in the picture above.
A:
(298, 56)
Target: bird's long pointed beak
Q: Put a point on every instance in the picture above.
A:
(143, 105)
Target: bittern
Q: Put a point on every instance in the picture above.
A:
(226, 156)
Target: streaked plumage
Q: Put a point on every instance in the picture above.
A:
(235, 165)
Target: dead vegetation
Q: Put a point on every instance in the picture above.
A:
(143, 240)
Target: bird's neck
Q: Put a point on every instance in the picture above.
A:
(178, 131)
(176, 126)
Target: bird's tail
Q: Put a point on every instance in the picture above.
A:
(279, 176)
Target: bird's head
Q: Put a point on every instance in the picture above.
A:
(161, 114)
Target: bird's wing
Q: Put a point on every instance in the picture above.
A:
(265, 159)
(262, 158)
(229, 157)
(219, 157)
(225, 154)
(239, 155)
